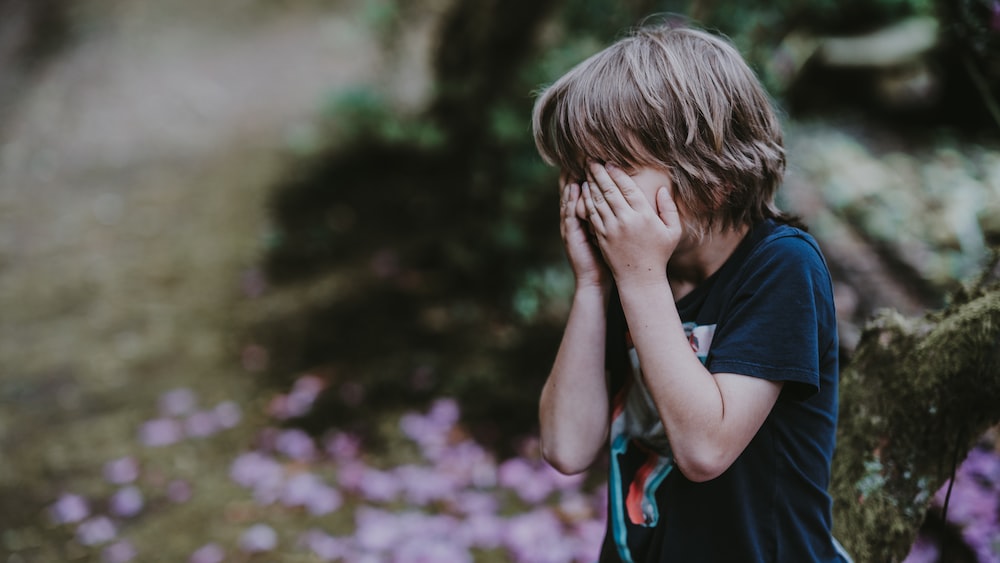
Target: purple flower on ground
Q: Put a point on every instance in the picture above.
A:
(299, 488)
(202, 424)
(474, 503)
(559, 480)
(126, 502)
(324, 501)
(209, 553)
(228, 414)
(160, 432)
(177, 402)
(423, 485)
(379, 486)
(587, 539)
(121, 551)
(484, 531)
(179, 491)
(295, 444)
(69, 508)
(258, 539)
(429, 550)
(342, 446)
(518, 475)
(537, 536)
(351, 474)
(303, 394)
(261, 473)
(121, 471)
(467, 463)
(600, 496)
(252, 467)
(375, 530)
(325, 546)
(444, 413)
(277, 407)
(96, 531)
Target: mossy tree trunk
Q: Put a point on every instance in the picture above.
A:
(916, 396)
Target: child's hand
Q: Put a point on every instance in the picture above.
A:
(636, 240)
(584, 257)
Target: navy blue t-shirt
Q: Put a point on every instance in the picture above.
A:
(767, 312)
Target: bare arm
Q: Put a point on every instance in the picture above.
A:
(573, 410)
(709, 418)
(574, 406)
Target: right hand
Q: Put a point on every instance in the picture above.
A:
(584, 256)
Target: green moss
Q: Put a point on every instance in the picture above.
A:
(917, 393)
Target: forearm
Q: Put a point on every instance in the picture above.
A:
(687, 396)
(573, 410)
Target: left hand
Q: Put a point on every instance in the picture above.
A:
(636, 240)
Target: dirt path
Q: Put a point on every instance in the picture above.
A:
(132, 203)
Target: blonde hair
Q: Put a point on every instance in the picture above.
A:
(673, 98)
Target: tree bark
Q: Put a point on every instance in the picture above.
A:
(916, 396)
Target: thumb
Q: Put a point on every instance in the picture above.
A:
(666, 208)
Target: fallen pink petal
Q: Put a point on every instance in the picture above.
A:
(119, 552)
(121, 471)
(259, 538)
(208, 553)
(228, 414)
(160, 432)
(296, 444)
(323, 501)
(69, 508)
(96, 531)
(202, 424)
(342, 446)
(126, 502)
(177, 402)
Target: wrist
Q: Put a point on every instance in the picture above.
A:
(635, 280)
(586, 291)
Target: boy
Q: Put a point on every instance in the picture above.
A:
(721, 443)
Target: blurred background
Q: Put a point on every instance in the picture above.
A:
(281, 280)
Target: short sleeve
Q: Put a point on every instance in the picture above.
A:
(779, 321)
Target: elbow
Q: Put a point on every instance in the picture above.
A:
(700, 467)
(565, 464)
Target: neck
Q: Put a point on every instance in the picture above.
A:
(694, 263)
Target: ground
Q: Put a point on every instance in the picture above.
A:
(133, 179)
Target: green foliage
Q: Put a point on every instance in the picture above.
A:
(365, 113)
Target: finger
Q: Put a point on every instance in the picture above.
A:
(610, 190)
(593, 210)
(626, 186)
(666, 207)
(566, 197)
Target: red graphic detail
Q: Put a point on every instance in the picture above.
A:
(636, 491)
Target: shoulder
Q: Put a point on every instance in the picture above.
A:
(784, 247)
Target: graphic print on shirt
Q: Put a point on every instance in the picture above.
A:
(635, 424)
